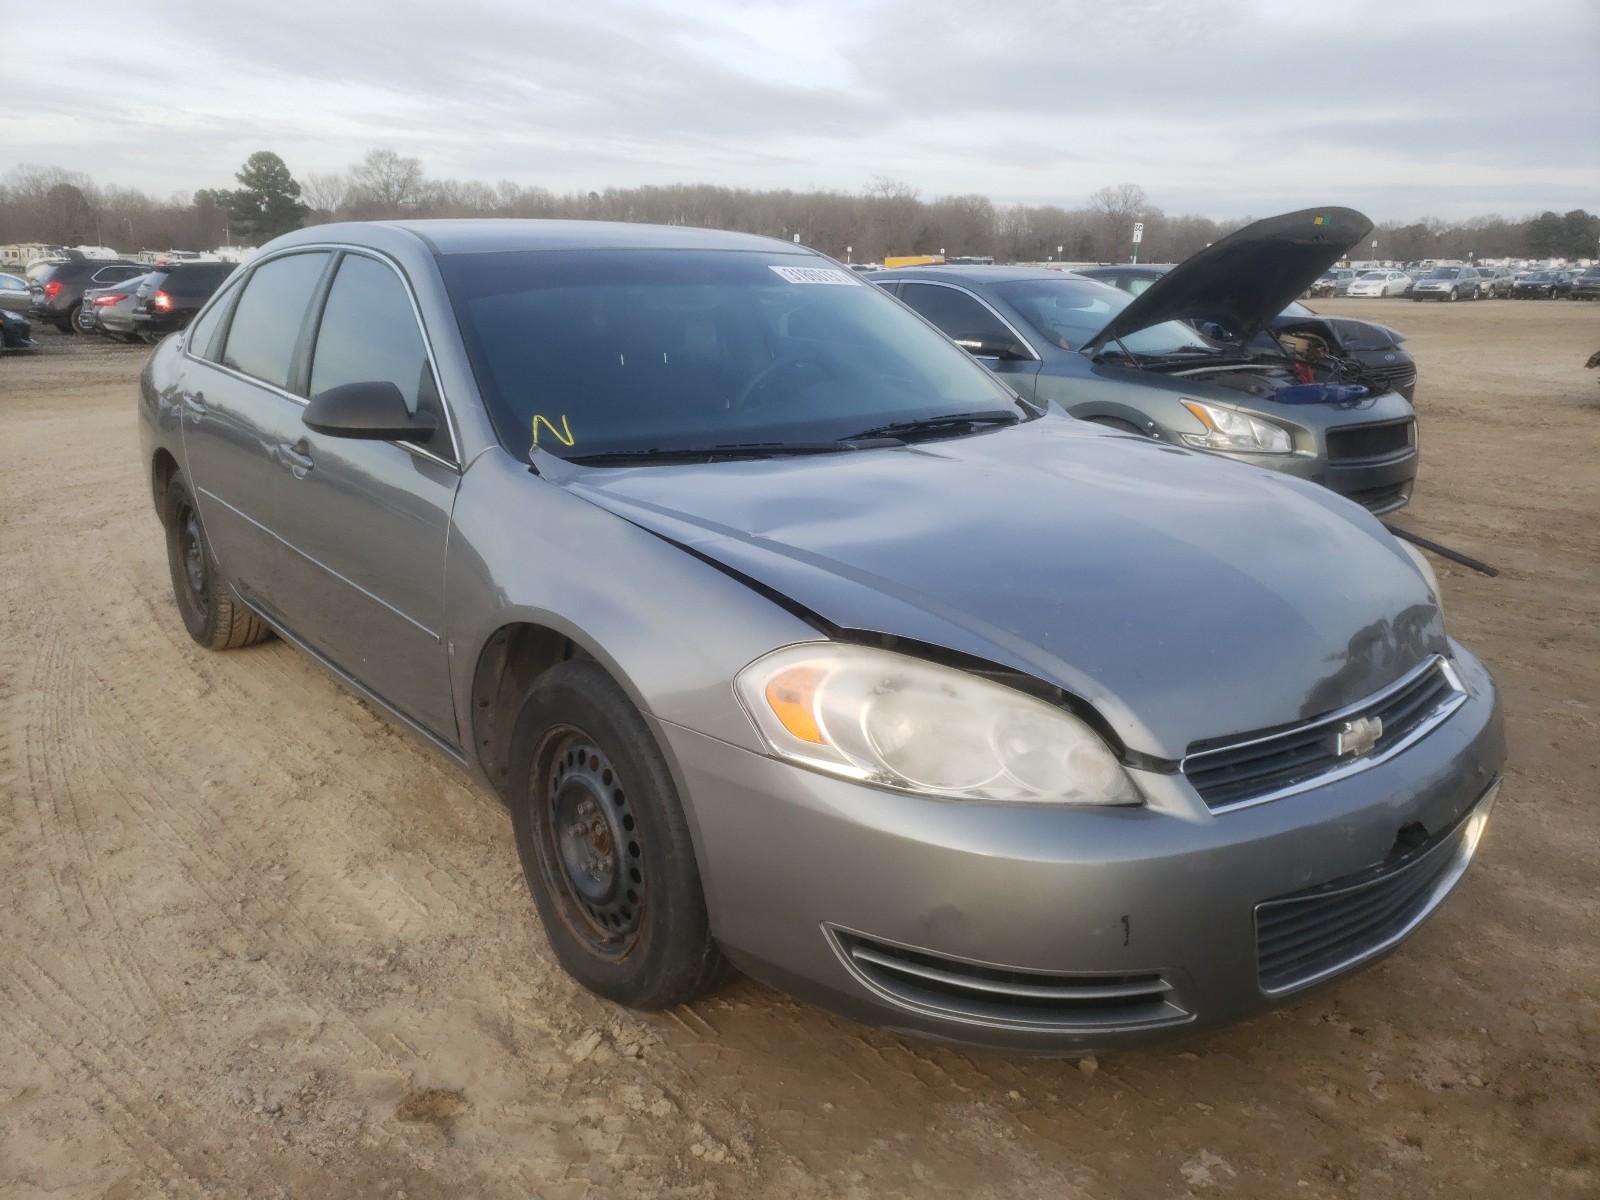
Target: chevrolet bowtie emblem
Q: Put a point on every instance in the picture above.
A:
(1359, 736)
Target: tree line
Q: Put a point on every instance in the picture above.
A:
(888, 216)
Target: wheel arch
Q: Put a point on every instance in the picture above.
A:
(163, 466)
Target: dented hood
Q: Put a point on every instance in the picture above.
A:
(1245, 280)
(1183, 596)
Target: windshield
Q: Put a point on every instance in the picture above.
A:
(1069, 312)
(617, 351)
(1441, 273)
(1542, 276)
(1376, 275)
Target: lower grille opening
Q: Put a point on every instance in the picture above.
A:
(1007, 996)
(1370, 441)
(1309, 936)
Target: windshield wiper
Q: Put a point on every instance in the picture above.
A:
(950, 423)
(724, 450)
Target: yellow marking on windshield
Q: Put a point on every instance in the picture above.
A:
(562, 435)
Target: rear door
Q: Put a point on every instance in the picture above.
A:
(366, 523)
(238, 415)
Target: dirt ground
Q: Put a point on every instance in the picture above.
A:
(256, 941)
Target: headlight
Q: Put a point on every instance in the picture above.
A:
(1230, 430)
(899, 722)
(1426, 568)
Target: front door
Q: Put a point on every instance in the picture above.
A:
(365, 523)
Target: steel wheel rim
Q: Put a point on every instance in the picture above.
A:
(192, 551)
(589, 845)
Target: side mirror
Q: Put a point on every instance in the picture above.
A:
(1005, 350)
(373, 410)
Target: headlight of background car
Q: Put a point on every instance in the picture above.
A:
(1230, 430)
(899, 722)
(1428, 576)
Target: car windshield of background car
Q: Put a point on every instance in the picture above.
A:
(604, 352)
(1069, 313)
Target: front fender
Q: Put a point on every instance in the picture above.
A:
(670, 628)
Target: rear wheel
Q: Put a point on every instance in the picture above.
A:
(211, 614)
(68, 323)
(605, 845)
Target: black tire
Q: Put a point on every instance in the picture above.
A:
(210, 612)
(69, 322)
(1453, 295)
(605, 846)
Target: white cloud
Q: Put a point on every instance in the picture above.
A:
(1448, 107)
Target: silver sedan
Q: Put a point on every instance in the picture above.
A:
(796, 641)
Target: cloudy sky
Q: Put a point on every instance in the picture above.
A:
(1402, 108)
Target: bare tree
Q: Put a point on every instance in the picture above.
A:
(325, 193)
(385, 184)
(1116, 209)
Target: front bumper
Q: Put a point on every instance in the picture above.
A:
(802, 870)
(1380, 485)
(159, 324)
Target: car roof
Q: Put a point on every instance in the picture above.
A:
(499, 236)
(972, 274)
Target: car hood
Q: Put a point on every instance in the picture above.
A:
(1183, 596)
(1246, 279)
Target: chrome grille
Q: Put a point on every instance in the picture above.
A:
(1263, 766)
(1396, 375)
(994, 995)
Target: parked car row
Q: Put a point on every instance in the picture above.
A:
(1455, 282)
(147, 306)
(796, 641)
(120, 298)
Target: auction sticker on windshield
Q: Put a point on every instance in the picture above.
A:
(816, 275)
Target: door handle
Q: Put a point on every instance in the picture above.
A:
(297, 457)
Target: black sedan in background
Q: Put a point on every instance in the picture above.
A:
(169, 297)
(1373, 350)
(1541, 285)
(15, 332)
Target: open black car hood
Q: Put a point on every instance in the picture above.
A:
(1245, 280)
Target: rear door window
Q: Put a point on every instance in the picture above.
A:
(266, 321)
(369, 333)
(962, 318)
(118, 274)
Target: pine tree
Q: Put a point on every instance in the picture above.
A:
(267, 202)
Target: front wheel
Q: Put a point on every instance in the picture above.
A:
(605, 845)
(1453, 296)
